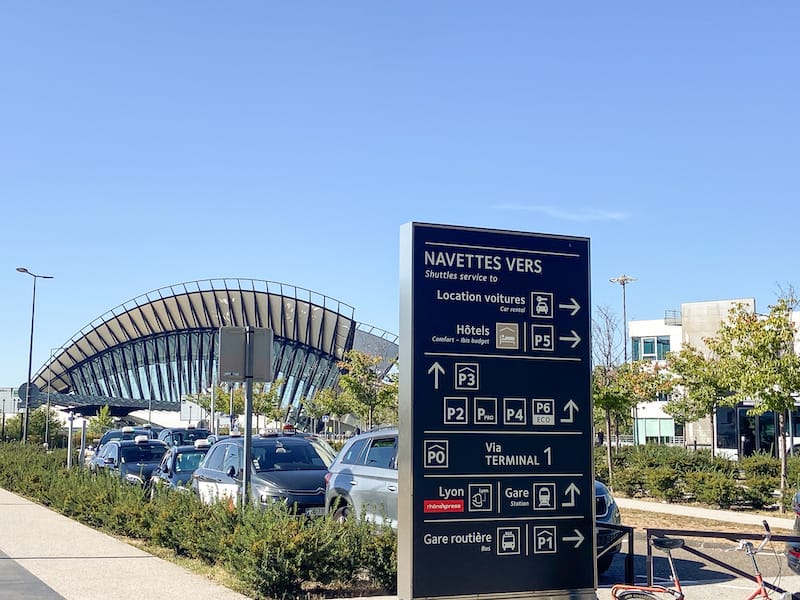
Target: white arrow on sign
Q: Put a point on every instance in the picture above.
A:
(574, 338)
(573, 305)
(437, 370)
(571, 491)
(571, 408)
(577, 538)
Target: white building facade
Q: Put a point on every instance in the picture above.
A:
(733, 432)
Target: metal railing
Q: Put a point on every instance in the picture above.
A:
(732, 536)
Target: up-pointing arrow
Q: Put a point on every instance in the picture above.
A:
(572, 489)
(571, 408)
(573, 306)
(577, 538)
(437, 370)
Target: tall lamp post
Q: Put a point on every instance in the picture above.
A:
(624, 280)
(30, 352)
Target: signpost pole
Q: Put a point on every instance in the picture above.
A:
(248, 413)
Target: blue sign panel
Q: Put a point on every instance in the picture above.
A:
(500, 420)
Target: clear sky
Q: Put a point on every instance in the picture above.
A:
(144, 144)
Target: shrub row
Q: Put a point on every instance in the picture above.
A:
(678, 474)
(271, 553)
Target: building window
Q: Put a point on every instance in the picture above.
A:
(650, 347)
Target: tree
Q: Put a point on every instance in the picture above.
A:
(698, 384)
(101, 422)
(267, 400)
(333, 403)
(757, 361)
(314, 409)
(222, 400)
(364, 385)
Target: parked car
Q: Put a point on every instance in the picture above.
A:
(124, 433)
(362, 482)
(287, 468)
(793, 548)
(133, 461)
(182, 436)
(177, 465)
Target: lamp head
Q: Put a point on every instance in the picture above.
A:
(22, 270)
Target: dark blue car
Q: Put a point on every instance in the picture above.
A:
(177, 465)
(133, 461)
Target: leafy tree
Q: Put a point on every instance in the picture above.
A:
(100, 423)
(267, 400)
(364, 385)
(333, 403)
(314, 409)
(698, 384)
(757, 361)
(222, 400)
(38, 425)
(617, 389)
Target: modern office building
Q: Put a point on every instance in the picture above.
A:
(152, 351)
(696, 321)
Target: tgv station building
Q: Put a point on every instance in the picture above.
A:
(151, 352)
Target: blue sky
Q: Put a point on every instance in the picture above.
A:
(145, 144)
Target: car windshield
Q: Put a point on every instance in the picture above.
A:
(188, 461)
(141, 454)
(288, 454)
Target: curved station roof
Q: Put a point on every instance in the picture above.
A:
(157, 348)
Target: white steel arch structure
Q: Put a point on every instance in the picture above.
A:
(163, 345)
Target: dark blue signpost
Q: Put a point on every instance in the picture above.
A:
(495, 443)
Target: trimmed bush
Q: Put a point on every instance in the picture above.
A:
(272, 552)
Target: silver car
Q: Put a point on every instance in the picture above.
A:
(362, 481)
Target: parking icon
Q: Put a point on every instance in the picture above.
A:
(466, 376)
(485, 412)
(455, 410)
(435, 454)
(514, 412)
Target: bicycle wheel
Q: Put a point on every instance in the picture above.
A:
(635, 595)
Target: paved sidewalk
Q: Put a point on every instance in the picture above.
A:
(51, 557)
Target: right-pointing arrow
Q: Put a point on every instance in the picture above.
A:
(573, 307)
(577, 538)
(574, 338)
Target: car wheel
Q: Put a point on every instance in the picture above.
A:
(342, 514)
(604, 563)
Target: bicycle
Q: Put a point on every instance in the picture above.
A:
(623, 591)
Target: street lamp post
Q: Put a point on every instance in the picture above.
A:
(30, 352)
(624, 280)
(49, 385)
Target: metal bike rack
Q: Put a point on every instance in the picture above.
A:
(621, 531)
(731, 536)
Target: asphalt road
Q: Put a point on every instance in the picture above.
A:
(701, 578)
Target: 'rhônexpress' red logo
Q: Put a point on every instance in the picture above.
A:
(443, 506)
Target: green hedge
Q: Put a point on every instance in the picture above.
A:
(673, 473)
(272, 553)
